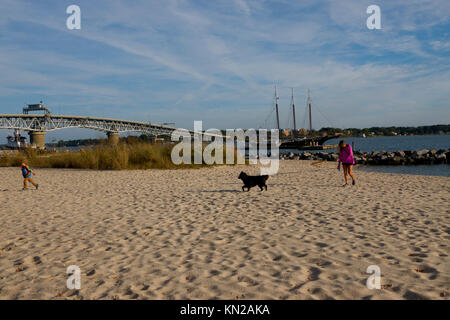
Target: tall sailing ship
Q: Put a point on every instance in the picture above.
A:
(307, 142)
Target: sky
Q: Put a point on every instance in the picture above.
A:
(219, 60)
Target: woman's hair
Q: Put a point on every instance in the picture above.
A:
(341, 145)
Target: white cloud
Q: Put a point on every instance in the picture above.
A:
(243, 6)
(440, 45)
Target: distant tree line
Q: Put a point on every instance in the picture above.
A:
(75, 143)
(92, 142)
(389, 131)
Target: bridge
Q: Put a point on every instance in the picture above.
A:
(38, 125)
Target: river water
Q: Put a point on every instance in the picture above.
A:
(399, 143)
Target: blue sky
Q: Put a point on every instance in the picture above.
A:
(218, 61)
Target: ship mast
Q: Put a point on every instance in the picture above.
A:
(276, 108)
(309, 108)
(293, 110)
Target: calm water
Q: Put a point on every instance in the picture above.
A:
(442, 170)
(399, 144)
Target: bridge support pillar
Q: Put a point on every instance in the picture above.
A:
(37, 139)
(113, 138)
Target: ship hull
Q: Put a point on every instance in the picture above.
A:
(313, 142)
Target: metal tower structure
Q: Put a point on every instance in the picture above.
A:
(309, 109)
(276, 108)
(293, 110)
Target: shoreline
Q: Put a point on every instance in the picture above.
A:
(421, 170)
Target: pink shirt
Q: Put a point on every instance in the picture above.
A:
(346, 155)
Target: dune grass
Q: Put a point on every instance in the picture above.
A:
(140, 155)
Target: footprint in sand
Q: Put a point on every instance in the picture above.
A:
(37, 260)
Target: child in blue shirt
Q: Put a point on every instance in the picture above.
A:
(27, 172)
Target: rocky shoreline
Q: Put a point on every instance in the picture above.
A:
(407, 157)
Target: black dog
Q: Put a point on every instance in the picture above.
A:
(251, 181)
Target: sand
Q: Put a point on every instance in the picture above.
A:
(192, 234)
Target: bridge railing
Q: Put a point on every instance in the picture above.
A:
(46, 123)
(50, 122)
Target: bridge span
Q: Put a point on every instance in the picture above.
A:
(38, 125)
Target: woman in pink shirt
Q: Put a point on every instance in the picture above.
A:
(347, 159)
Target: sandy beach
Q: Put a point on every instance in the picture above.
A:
(193, 234)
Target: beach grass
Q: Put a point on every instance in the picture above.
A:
(125, 155)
